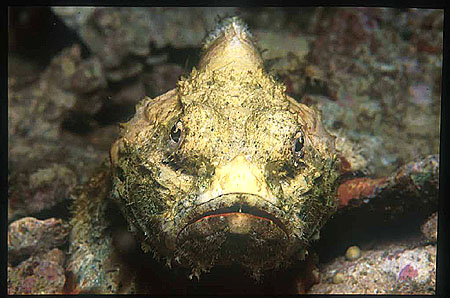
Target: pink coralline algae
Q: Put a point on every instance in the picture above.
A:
(408, 272)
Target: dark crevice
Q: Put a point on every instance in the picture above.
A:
(61, 209)
(37, 34)
(78, 123)
(111, 113)
(185, 57)
(365, 228)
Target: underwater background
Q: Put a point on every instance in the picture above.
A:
(74, 73)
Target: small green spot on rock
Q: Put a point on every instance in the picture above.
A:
(338, 278)
(353, 253)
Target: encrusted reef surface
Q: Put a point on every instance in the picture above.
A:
(36, 256)
(374, 72)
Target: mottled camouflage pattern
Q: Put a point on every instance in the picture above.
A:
(235, 151)
(224, 168)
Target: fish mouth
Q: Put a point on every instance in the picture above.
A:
(242, 228)
(238, 214)
(242, 209)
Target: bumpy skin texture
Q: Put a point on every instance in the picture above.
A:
(226, 167)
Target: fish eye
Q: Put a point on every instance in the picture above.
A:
(298, 146)
(176, 132)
